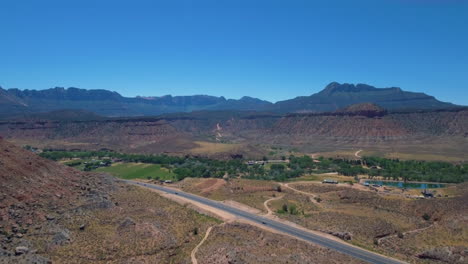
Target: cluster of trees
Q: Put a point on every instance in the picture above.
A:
(389, 169)
(291, 209)
(432, 171)
(277, 172)
(323, 165)
(205, 168)
(153, 159)
(188, 166)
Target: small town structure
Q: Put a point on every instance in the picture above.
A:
(253, 162)
(329, 181)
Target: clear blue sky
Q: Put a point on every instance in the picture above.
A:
(269, 49)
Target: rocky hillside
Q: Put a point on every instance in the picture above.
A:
(107, 103)
(117, 134)
(35, 194)
(28, 182)
(364, 109)
(58, 115)
(361, 126)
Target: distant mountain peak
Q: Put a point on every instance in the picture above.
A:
(336, 87)
(336, 96)
(252, 99)
(108, 103)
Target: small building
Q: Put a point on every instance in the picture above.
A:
(278, 161)
(168, 181)
(329, 181)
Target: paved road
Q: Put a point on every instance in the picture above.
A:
(314, 238)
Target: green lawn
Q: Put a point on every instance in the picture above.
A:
(138, 171)
(78, 167)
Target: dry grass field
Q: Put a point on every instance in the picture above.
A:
(210, 148)
(392, 225)
(249, 192)
(143, 227)
(239, 243)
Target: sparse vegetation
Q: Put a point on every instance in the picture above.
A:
(426, 217)
(388, 224)
(291, 209)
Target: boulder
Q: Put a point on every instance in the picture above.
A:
(21, 250)
(127, 222)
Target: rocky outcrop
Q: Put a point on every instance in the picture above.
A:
(446, 254)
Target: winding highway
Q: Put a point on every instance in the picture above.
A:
(342, 247)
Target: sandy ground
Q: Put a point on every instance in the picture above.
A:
(195, 250)
(242, 206)
(357, 153)
(210, 185)
(311, 195)
(269, 212)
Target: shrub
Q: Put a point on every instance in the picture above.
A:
(426, 217)
(293, 210)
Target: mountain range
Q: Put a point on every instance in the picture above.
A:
(107, 103)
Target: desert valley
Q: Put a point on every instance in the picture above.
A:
(389, 181)
(234, 132)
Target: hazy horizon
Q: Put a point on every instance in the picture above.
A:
(272, 50)
(227, 98)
